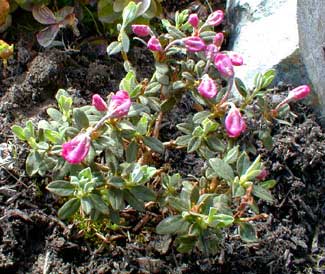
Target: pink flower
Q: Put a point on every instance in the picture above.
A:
(76, 150)
(215, 18)
(236, 58)
(154, 44)
(207, 87)
(234, 122)
(193, 19)
(224, 65)
(218, 39)
(299, 92)
(262, 175)
(211, 51)
(99, 103)
(120, 104)
(194, 44)
(141, 30)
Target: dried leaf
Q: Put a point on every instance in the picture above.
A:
(46, 36)
(44, 15)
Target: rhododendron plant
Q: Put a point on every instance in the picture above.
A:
(224, 65)
(141, 30)
(76, 150)
(154, 44)
(207, 87)
(99, 103)
(193, 20)
(234, 122)
(119, 104)
(110, 156)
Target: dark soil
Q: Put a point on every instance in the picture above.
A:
(34, 240)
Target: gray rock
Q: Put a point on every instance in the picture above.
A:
(265, 32)
(311, 26)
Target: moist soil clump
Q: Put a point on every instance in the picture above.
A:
(34, 240)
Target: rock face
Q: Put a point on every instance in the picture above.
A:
(266, 33)
(311, 26)
(287, 35)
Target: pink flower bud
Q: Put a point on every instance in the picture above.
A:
(211, 51)
(120, 104)
(141, 30)
(215, 18)
(236, 58)
(194, 44)
(207, 87)
(154, 44)
(299, 92)
(76, 150)
(218, 39)
(193, 19)
(262, 175)
(99, 103)
(224, 65)
(235, 124)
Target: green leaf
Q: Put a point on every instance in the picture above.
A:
(193, 144)
(262, 193)
(133, 201)
(186, 243)
(178, 85)
(258, 80)
(215, 144)
(241, 87)
(172, 225)
(183, 140)
(232, 155)
(189, 194)
(117, 182)
(61, 188)
(54, 114)
(207, 35)
(154, 144)
(19, 132)
(161, 68)
(243, 163)
(125, 41)
(129, 82)
(247, 232)
(114, 47)
(33, 162)
(85, 173)
(253, 170)
(53, 136)
(153, 88)
(185, 128)
(177, 203)
(222, 169)
(268, 78)
(219, 220)
(132, 152)
(86, 204)
(162, 78)
(175, 33)
(168, 104)
(143, 193)
(115, 197)
(142, 125)
(69, 208)
(80, 118)
(130, 13)
(268, 184)
(199, 117)
(105, 12)
(99, 204)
